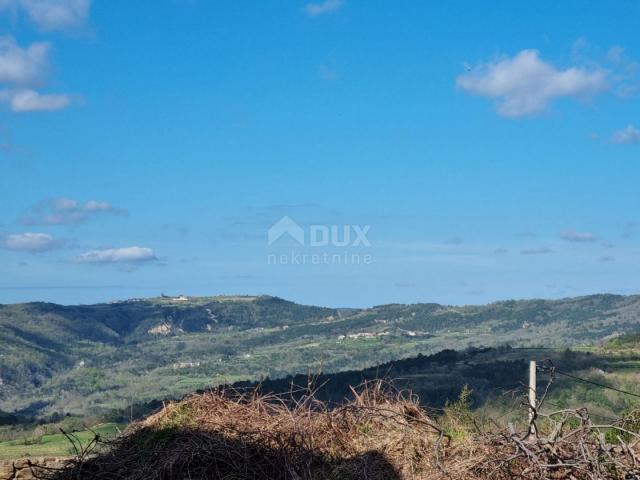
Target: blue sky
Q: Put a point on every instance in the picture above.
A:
(490, 153)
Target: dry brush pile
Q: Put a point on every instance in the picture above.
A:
(380, 434)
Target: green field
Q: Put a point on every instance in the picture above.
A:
(56, 445)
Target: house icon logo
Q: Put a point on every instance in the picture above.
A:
(286, 226)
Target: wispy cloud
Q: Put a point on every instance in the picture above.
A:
(27, 100)
(627, 136)
(328, 6)
(117, 255)
(626, 71)
(22, 68)
(578, 237)
(49, 15)
(525, 84)
(22, 65)
(30, 242)
(67, 211)
(536, 251)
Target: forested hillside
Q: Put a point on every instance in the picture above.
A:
(94, 359)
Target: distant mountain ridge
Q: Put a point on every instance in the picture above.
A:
(92, 358)
(50, 330)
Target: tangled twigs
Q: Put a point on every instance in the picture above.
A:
(570, 446)
(566, 452)
(379, 434)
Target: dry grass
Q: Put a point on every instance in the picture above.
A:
(379, 434)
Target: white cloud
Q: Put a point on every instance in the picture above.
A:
(573, 236)
(328, 6)
(67, 211)
(627, 136)
(28, 100)
(65, 204)
(30, 242)
(48, 15)
(117, 255)
(94, 206)
(22, 66)
(525, 84)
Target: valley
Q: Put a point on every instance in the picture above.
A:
(100, 360)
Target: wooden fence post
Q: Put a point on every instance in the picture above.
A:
(532, 397)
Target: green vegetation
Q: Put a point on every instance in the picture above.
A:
(457, 417)
(461, 388)
(56, 445)
(101, 360)
(490, 381)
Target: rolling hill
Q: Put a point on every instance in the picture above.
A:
(94, 359)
